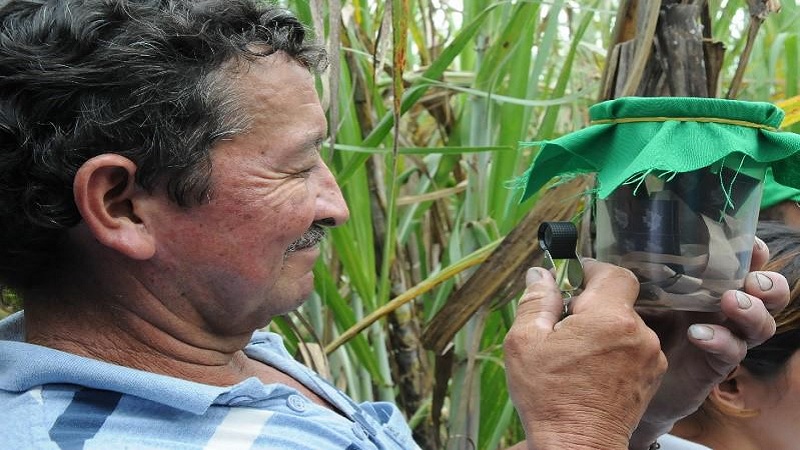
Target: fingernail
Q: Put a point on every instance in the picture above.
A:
(743, 300)
(701, 332)
(533, 275)
(764, 282)
(760, 244)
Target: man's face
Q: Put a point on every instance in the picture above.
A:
(246, 255)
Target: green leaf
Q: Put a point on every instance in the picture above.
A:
(344, 318)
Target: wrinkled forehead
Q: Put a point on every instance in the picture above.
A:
(277, 98)
(273, 85)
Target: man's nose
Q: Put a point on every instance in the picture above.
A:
(332, 210)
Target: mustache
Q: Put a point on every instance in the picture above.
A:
(310, 238)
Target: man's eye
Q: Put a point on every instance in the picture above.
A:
(306, 172)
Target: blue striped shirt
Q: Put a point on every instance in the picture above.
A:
(57, 400)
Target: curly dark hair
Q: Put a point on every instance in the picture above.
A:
(145, 79)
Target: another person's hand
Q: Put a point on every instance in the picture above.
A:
(584, 381)
(702, 348)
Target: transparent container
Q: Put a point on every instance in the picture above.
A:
(688, 237)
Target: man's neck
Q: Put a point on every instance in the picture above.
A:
(142, 334)
(131, 338)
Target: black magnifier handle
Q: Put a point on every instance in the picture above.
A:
(558, 241)
(559, 238)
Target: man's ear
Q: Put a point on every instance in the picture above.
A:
(106, 195)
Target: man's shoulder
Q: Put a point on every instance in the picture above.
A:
(29, 414)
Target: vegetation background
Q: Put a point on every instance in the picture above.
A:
(428, 102)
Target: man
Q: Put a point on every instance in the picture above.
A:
(163, 197)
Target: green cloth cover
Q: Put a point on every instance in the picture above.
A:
(775, 193)
(632, 136)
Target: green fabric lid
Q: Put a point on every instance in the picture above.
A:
(775, 192)
(632, 136)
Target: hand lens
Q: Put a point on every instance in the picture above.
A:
(558, 241)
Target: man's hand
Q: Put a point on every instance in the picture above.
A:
(584, 381)
(702, 348)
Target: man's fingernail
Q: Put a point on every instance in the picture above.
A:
(760, 244)
(743, 300)
(764, 282)
(533, 275)
(701, 332)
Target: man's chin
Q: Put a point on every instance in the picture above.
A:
(306, 285)
(300, 294)
(303, 288)
(297, 277)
